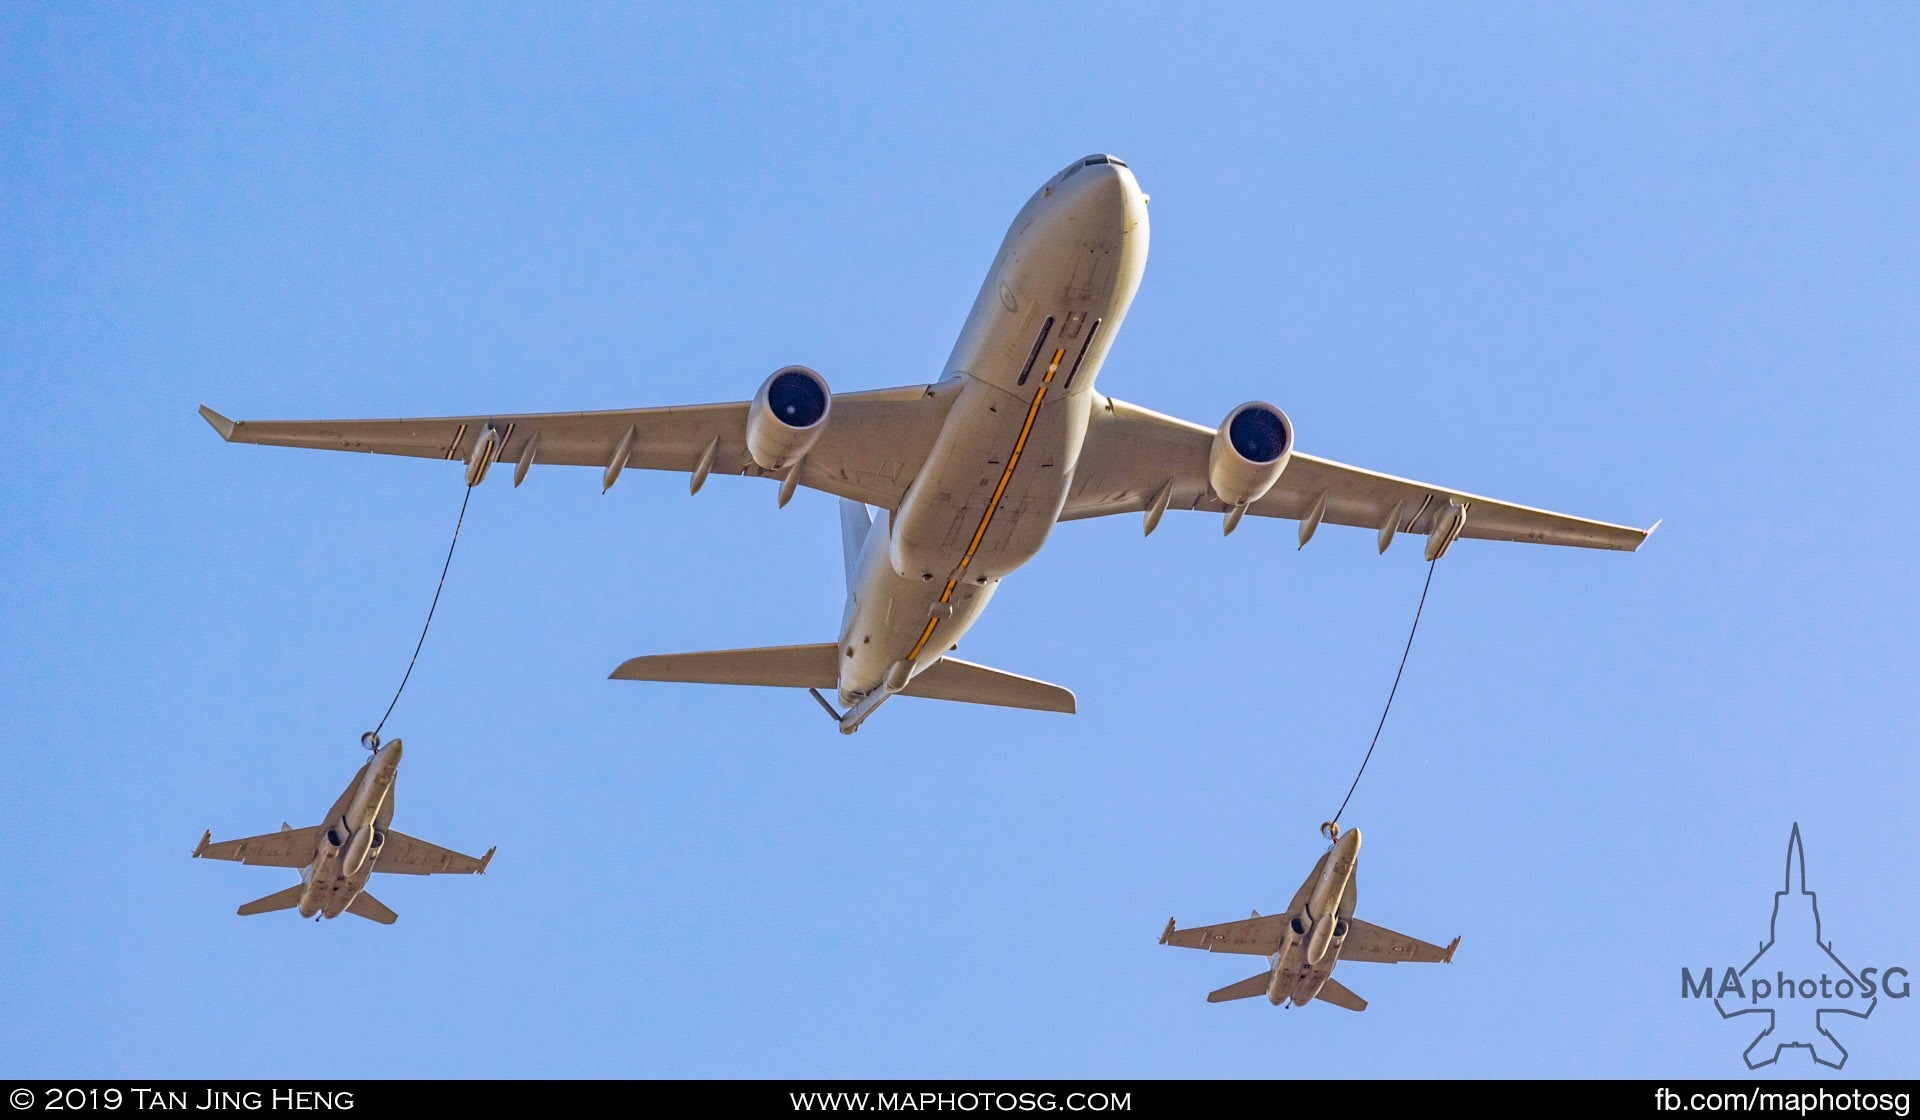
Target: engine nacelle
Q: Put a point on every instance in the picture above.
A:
(786, 417)
(1250, 450)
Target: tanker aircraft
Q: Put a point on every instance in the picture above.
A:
(969, 473)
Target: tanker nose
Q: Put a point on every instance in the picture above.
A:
(1097, 179)
(1096, 202)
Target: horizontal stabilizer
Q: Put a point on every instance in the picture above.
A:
(953, 679)
(818, 666)
(1336, 993)
(814, 666)
(1245, 989)
(278, 900)
(372, 909)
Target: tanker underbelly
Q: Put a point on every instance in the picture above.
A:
(990, 493)
(896, 619)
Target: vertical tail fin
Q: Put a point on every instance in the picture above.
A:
(855, 524)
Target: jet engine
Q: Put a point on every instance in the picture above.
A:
(786, 417)
(1250, 450)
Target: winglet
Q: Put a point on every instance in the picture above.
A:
(202, 845)
(220, 423)
(486, 859)
(1448, 959)
(1650, 531)
(1166, 933)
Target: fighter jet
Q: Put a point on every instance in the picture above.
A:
(337, 856)
(972, 471)
(1303, 945)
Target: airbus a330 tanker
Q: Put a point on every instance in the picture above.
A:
(969, 473)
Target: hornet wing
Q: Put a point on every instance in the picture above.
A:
(406, 855)
(1368, 942)
(1252, 936)
(290, 847)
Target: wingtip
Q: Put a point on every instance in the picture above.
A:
(486, 859)
(205, 837)
(1651, 529)
(1166, 933)
(1455, 944)
(220, 423)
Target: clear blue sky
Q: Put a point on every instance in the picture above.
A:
(1626, 261)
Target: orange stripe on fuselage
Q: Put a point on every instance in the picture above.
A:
(993, 504)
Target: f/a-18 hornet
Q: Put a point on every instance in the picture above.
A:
(971, 472)
(1303, 945)
(337, 856)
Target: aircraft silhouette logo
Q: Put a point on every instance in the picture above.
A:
(1795, 979)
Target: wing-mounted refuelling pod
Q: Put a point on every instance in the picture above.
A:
(619, 461)
(527, 454)
(1447, 528)
(480, 456)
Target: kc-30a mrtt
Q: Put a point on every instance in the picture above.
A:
(1317, 932)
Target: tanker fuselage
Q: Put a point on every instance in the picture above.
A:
(1021, 380)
